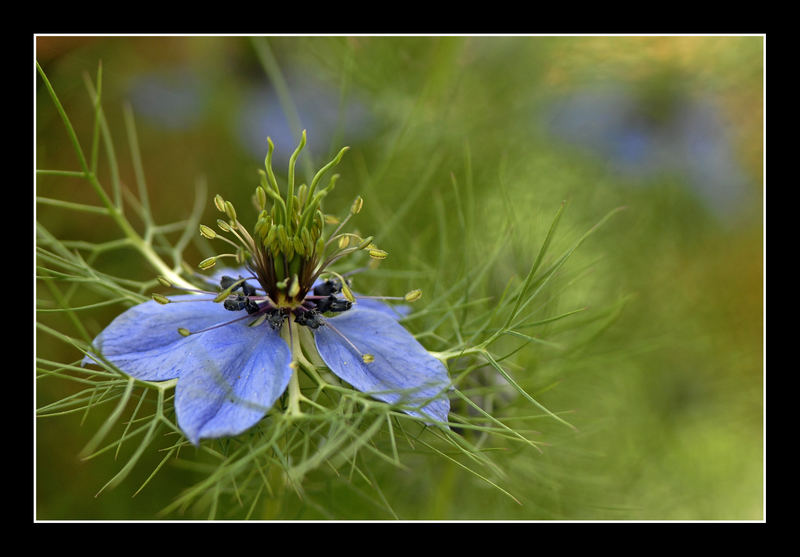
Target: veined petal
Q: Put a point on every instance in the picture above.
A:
(228, 377)
(144, 341)
(402, 371)
(237, 375)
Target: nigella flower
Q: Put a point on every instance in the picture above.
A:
(236, 348)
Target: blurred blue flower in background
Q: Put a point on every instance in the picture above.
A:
(176, 99)
(318, 107)
(687, 138)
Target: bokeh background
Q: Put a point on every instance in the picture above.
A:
(667, 395)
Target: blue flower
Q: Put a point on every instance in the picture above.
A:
(642, 140)
(235, 348)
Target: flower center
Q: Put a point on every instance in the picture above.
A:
(286, 252)
(308, 312)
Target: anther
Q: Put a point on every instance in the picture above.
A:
(367, 358)
(230, 211)
(207, 232)
(207, 263)
(365, 242)
(220, 203)
(376, 253)
(184, 332)
(164, 282)
(413, 296)
(161, 299)
(348, 294)
(357, 205)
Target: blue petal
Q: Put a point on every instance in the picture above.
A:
(238, 374)
(228, 377)
(397, 312)
(144, 341)
(403, 372)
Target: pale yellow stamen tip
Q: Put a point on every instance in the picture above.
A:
(414, 295)
(219, 203)
(375, 253)
(184, 332)
(344, 241)
(160, 299)
(207, 263)
(368, 358)
(230, 211)
(357, 205)
(164, 282)
(207, 232)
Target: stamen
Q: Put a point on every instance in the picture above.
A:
(357, 205)
(366, 358)
(223, 238)
(395, 298)
(230, 211)
(195, 290)
(336, 256)
(207, 232)
(227, 291)
(187, 332)
(207, 263)
(220, 203)
(163, 300)
(414, 295)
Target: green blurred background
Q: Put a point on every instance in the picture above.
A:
(668, 399)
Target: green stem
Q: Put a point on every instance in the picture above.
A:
(294, 382)
(136, 240)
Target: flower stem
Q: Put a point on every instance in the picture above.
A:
(294, 382)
